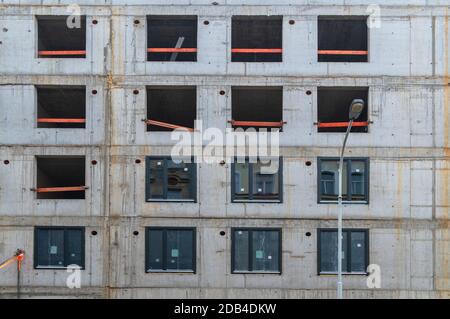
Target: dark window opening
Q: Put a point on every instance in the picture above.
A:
(354, 170)
(59, 37)
(61, 107)
(59, 247)
(172, 38)
(169, 108)
(61, 177)
(256, 181)
(170, 249)
(256, 39)
(342, 39)
(167, 180)
(256, 250)
(333, 105)
(355, 248)
(257, 107)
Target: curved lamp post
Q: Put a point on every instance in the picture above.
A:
(356, 108)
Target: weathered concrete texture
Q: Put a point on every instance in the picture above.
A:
(408, 145)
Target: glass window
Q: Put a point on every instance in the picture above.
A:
(257, 181)
(353, 170)
(167, 180)
(354, 246)
(170, 249)
(59, 247)
(256, 250)
(241, 250)
(155, 250)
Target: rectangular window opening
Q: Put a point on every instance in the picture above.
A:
(342, 39)
(59, 247)
(172, 38)
(172, 107)
(355, 170)
(355, 248)
(256, 250)
(61, 107)
(256, 39)
(257, 107)
(60, 37)
(170, 249)
(333, 105)
(257, 181)
(61, 177)
(170, 181)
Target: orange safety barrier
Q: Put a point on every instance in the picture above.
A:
(60, 120)
(257, 124)
(63, 52)
(342, 124)
(167, 125)
(256, 50)
(343, 52)
(18, 256)
(60, 189)
(172, 50)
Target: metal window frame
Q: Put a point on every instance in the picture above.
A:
(165, 159)
(348, 245)
(250, 248)
(250, 184)
(348, 163)
(164, 246)
(64, 228)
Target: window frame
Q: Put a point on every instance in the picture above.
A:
(164, 246)
(64, 228)
(347, 161)
(193, 186)
(349, 260)
(250, 247)
(250, 182)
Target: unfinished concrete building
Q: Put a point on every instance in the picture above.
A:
(86, 177)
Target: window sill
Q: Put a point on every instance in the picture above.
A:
(344, 202)
(243, 272)
(344, 273)
(171, 200)
(54, 267)
(261, 201)
(149, 271)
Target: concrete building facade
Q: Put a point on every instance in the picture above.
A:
(407, 145)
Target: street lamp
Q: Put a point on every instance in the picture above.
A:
(356, 107)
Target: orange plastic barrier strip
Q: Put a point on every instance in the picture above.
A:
(257, 50)
(60, 120)
(7, 262)
(257, 124)
(167, 125)
(342, 124)
(172, 50)
(343, 52)
(71, 52)
(61, 189)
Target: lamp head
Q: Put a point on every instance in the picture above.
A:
(356, 108)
